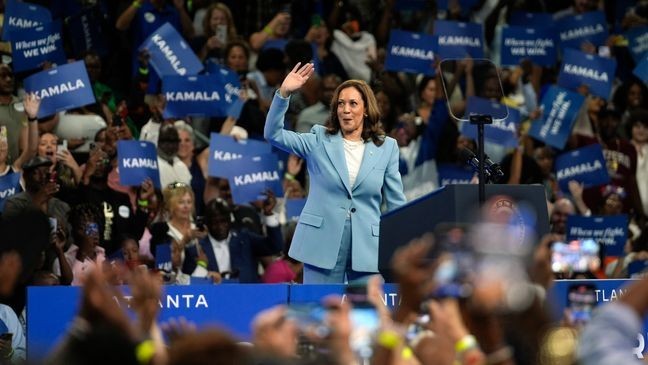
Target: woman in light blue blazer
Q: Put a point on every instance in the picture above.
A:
(353, 168)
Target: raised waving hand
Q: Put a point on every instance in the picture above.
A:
(296, 78)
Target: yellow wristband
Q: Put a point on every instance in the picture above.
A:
(267, 30)
(145, 351)
(465, 343)
(136, 4)
(288, 176)
(389, 339)
(202, 263)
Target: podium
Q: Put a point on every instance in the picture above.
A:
(452, 204)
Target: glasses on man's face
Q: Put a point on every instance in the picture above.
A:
(177, 184)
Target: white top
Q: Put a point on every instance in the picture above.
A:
(178, 172)
(221, 251)
(18, 341)
(150, 132)
(353, 55)
(642, 175)
(353, 152)
(175, 233)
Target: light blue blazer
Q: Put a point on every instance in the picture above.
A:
(331, 198)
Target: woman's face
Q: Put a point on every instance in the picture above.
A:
(47, 146)
(350, 111)
(640, 133)
(186, 147)
(90, 230)
(283, 26)
(429, 92)
(130, 250)
(183, 207)
(634, 96)
(613, 205)
(236, 59)
(217, 18)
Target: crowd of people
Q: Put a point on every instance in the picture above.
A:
(73, 223)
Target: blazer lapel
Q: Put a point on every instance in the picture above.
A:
(335, 151)
(371, 156)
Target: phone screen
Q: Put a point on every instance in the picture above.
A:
(581, 300)
(575, 256)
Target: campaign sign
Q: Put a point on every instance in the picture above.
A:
(574, 30)
(450, 174)
(228, 78)
(637, 42)
(9, 186)
(523, 18)
(163, 260)
(585, 165)
(641, 71)
(503, 131)
(84, 30)
(294, 208)
(170, 54)
(536, 44)
(610, 231)
(459, 40)
(223, 150)
(64, 87)
(234, 110)
(301, 294)
(137, 161)
(19, 16)
(31, 47)
(559, 111)
(638, 269)
(579, 68)
(193, 95)
(250, 177)
(410, 52)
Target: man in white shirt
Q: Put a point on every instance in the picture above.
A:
(171, 168)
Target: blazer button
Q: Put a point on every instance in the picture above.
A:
(353, 210)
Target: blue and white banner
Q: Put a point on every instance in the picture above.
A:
(579, 68)
(610, 231)
(459, 40)
(585, 165)
(61, 88)
(9, 186)
(503, 131)
(170, 54)
(84, 30)
(137, 161)
(410, 52)
(294, 208)
(19, 16)
(638, 269)
(559, 111)
(536, 44)
(525, 19)
(234, 110)
(163, 261)
(574, 30)
(223, 150)
(451, 174)
(31, 47)
(201, 95)
(637, 42)
(250, 177)
(641, 71)
(228, 78)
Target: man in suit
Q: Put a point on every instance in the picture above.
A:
(234, 252)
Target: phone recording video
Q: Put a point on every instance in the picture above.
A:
(577, 256)
(62, 145)
(455, 259)
(364, 318)
(581, 300)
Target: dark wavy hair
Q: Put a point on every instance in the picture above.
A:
(372, 128)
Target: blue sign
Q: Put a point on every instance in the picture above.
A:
(637, 42)
(170, 54)
(61, 88)
(85, 31)
(585, 165)
(228, 78)
(641, 71)
(503, 131)
(19, 16)
(163, 261)
(559, 111)
(610, 231)
(137, 161)
(223, 150)
(9, 186)
(536, 44)
(579, 68)
(522, 18)
(300, 294)
(193, 95)
(574, 30)
(638, 269)
(234, 110)
(294, 208)
(459, 40)
(451, 174)
(31, 47)
(410, 52)
(250, 177)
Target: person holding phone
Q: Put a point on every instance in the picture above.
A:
(353, 168)
(219, 29)
(12, 337)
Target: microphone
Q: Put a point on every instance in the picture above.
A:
(469, 157)
(495, 169)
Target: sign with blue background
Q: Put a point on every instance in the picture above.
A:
(585, 165)
(250, 177)
(294, 208)
(410, 52)
(19, 16)
(137, 161)
(64, 87)
(170, 54)
(31, 47)
(201, 95)
(9, 186)
(536, 44)
(641, 71)
(450, 174)
(163, 261)
(223, 150)
(579, 68)
(459, 40)
(637, 42)
(574, 30)
(610, 231)
(228, 78)
(84, 30)
(559, 111)
(526, 19)
(503, 131)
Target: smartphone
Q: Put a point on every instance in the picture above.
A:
(62, 145)
(581, 300)
(364, 318)
(200, 222)
(576, 256)
(310, 318)
(53, 224)
(221, 34)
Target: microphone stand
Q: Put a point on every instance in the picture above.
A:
(480, 120)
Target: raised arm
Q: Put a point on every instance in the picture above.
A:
(32, 103)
